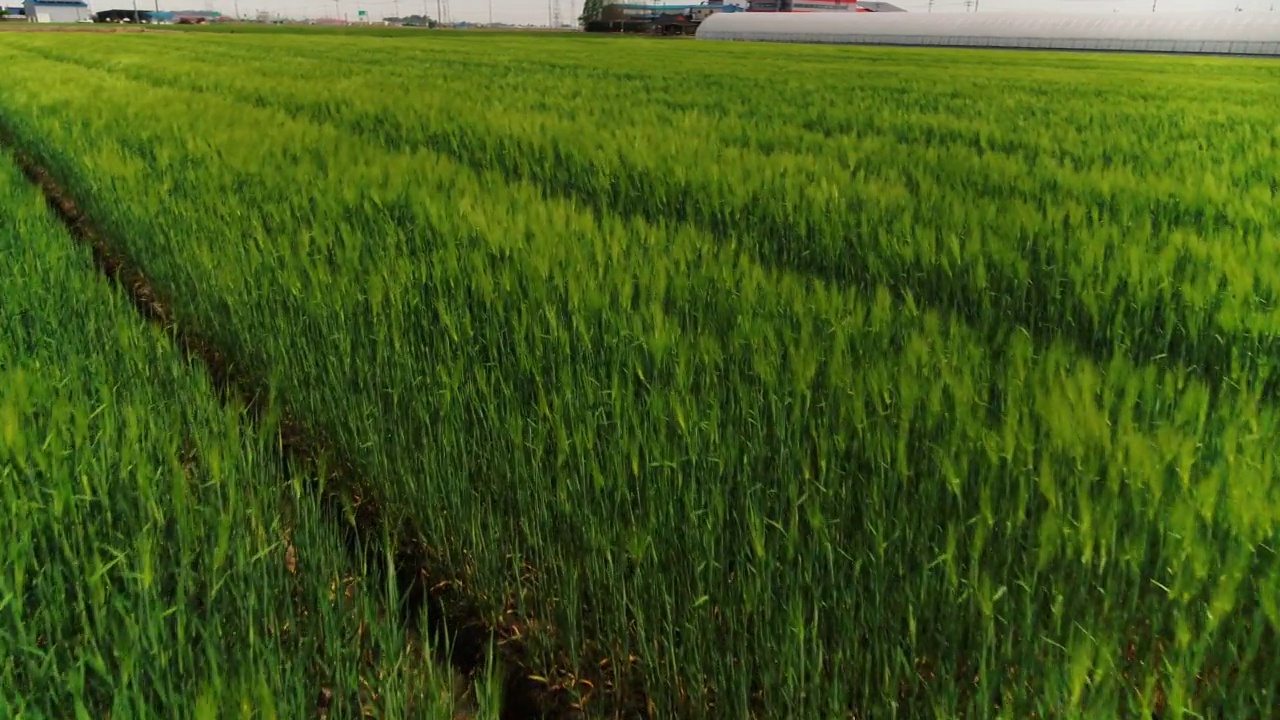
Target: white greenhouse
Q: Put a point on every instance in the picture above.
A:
(1224, 34)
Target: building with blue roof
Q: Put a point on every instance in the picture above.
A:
(57, 11)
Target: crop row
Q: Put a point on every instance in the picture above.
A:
(157, 562)
(768, 488)
(1019, 206)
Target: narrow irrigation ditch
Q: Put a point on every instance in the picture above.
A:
(433, 606)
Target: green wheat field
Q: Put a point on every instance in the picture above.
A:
(759, 381)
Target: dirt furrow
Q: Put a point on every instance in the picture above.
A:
(433, 603)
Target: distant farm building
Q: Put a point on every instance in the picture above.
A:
(194, 17)
(685, 19)
(146, 17)
(662, 19)
(125, 16)
(56, 11)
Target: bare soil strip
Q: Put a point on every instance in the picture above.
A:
(457, 630)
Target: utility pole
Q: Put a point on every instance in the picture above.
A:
(491, 12)
(930, 5)
(237, 9)
(135, 12)
(337, 12)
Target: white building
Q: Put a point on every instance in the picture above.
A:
(57, 11)
(1227, 34)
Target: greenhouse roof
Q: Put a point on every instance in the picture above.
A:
(1234, 33)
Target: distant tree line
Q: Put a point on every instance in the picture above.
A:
(591, 10)
(414, 21)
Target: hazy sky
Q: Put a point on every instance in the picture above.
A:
(536, 11)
